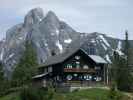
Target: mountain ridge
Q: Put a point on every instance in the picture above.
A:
(48, 35)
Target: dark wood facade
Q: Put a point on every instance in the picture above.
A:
(79, 67)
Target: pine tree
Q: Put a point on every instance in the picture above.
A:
(26, 67)
(2, 80)
(127, 68)
(121, 71)
(115, 69)
(1, 73)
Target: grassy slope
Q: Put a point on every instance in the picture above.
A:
(90, 94)
(13, 96)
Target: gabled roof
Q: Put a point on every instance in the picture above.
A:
(40, 75)
(97, 59)
(73, 48)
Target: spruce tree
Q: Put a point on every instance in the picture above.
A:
(2, 80)
(127, 67)
(115, 69)
(27, 65)
(1, 73)
(121, 71)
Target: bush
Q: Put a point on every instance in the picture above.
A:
(4, 87)
(50, 93)
(32, 94)
(114, 94)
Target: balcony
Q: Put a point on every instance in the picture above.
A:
(79, 70)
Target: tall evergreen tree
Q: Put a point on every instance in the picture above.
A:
(126, 48)
(27, 65)
(1, 73)
(121, 69)
(2, 80)
(127, 67)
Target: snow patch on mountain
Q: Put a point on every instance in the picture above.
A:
(104, 40)
(20, 38)
(68, 41)
(119, 52)
(118, 49)
(46, 44)
(105, 48)
(59, 46)
(38, 44)
(119, 46)
(11, 55)
(57, 31)
(108, 58)
(2, 53)
(93, 41)
(40, 20)
(52, 34)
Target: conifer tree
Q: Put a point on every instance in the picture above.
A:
(121, 71)
(127, 68)
(1, 79)
(1, 73)
(27, 65)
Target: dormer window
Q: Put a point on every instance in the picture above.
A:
(92, 50)
(68, 66)
(97, 68)
(77, 57)
(77, 64)
(85, 67)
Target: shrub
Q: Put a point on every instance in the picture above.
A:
(32, 94)
(114, 94)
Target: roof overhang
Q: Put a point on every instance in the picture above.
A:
(96, 58)
(39, 76)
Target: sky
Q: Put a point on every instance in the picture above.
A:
(111, 17)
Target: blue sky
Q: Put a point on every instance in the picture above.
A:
(111, 17)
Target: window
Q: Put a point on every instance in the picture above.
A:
(92, 50)
(68, 66)
(45, 70)
(49, 69)
(87, 77)
(77, 57)
(97, 67)
(77, 64)
(69, 77)
(97, 78)
(75, 75)
(85, 67)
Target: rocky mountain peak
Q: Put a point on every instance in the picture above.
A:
(48, 34)
(51, 18)
(33, 17)
(51, 14)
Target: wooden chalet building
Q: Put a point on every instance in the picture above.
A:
(74, 66)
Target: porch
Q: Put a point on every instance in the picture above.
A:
(76, 85)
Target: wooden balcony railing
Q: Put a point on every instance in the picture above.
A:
(79, 70)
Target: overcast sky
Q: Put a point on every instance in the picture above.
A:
(111, 17)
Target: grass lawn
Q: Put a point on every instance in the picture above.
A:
(13, 96)
(89, 94)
